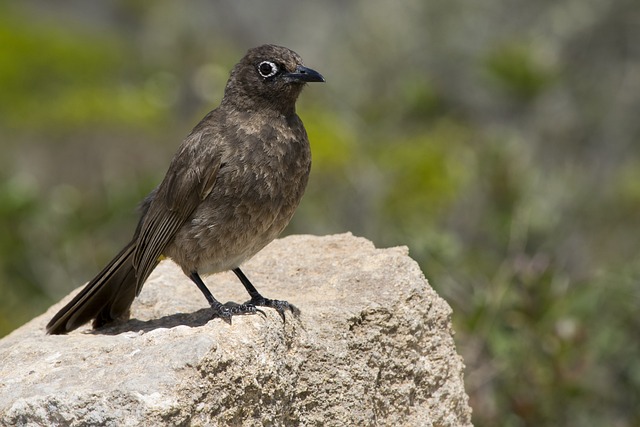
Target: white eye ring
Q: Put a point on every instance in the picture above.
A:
(267, 69)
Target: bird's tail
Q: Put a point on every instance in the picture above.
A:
(105, 298)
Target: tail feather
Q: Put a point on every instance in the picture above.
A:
(106, 298)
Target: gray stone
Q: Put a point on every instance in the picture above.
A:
(373, 346)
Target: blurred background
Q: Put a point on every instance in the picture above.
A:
(498, 140)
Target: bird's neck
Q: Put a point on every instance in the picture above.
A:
(281, 103)
(265, 107)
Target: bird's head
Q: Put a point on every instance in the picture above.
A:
(268, 76)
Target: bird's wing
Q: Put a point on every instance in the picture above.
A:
(189, 180)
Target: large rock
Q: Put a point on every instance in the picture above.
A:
(373, 346)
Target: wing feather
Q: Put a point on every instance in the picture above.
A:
(189, 180)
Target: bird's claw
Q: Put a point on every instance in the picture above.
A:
(278, 305)
(230, 309)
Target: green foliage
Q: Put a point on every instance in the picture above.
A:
(18, 206)
(333, 140)
(559, 351)
(435, 164)
(515, 68)
(53, 78)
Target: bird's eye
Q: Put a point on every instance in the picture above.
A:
(267, 69)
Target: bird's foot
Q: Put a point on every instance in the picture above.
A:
(278, 305)
(230, 309)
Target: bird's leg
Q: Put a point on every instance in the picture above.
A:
(223, 311)
(259, 300)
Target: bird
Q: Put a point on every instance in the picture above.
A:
(231, 188)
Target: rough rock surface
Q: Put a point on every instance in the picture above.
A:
(373, 346)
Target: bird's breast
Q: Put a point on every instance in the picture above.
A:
(259, 185)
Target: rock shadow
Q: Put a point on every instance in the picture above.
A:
(193, 320)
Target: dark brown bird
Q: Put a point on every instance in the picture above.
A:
(231, 188)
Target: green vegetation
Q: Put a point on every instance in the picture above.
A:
(500, 142)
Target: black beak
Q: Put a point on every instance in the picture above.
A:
(304, 74)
